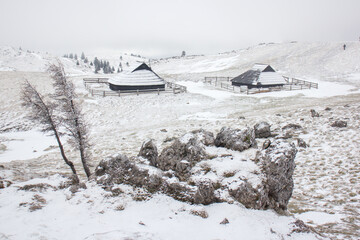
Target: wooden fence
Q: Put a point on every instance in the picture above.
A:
(292, 84)
(170, 88)
(295, 81)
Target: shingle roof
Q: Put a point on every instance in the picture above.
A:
(260, 74)
(140, 76)
(247, 77)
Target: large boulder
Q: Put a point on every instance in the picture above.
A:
(205, 137)
(236, 139)
(262, 130)
(181, 156)
(278, 164)
(314, 113)
(119, 169)
(149, 151)
(250, 197)
(205, 193)
(201, 193)
(339, 124)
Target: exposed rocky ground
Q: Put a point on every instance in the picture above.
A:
(186, 171)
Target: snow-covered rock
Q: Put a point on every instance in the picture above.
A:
(262, 130)
(339, 124)
(278, 164)
(181, 172)
(236, 139)
(149, 151)
(182, 155)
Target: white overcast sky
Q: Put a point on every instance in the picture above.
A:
(155, 28)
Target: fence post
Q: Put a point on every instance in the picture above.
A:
(158, 92)
(119, 93)
(103, 93)
(137, 92)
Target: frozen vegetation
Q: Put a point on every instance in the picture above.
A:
(38, 200)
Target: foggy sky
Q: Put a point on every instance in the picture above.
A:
(155, 28)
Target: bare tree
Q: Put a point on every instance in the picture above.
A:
(43, 112)
(71, 116)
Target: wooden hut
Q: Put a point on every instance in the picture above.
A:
(141, 78)
(259, 76)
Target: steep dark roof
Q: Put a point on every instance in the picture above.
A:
(268, 69)
(247, 77)
(142, 67)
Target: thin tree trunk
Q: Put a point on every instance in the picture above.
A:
(46, 115)
(69, 163)
(81, 142)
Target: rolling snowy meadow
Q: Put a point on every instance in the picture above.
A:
(37, 203)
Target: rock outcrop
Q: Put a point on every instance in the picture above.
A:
(205, 137)
(149, 151)
(173, 173)
(262, 130)
(119, 169)
(314, 113)
(339, 124)
(182, 155)
(301, 143)
(236, 139)
(278, 164)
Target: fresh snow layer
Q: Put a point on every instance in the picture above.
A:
(91, 214)
(25, 145)
(201, 88)
(139, 77)
(320, 217)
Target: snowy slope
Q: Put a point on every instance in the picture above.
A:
(324, 61)
(12, 59)
(326, 194)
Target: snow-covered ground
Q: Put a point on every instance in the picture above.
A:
(326, 194)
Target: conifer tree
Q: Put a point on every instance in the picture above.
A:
(82, 56)
(71, 118)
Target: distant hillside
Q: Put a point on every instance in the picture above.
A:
(12, 59)
(314, 60)
(326, 61)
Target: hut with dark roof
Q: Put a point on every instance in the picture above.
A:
(141, 78)
(259, 76)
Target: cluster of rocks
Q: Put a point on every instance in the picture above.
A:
(171, 171)
(337, 123)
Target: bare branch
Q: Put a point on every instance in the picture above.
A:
(71, 117)
(42, 112)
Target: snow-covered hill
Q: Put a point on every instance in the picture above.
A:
(315, 60)
(324, 61)
(326, 193)
(12, 59)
